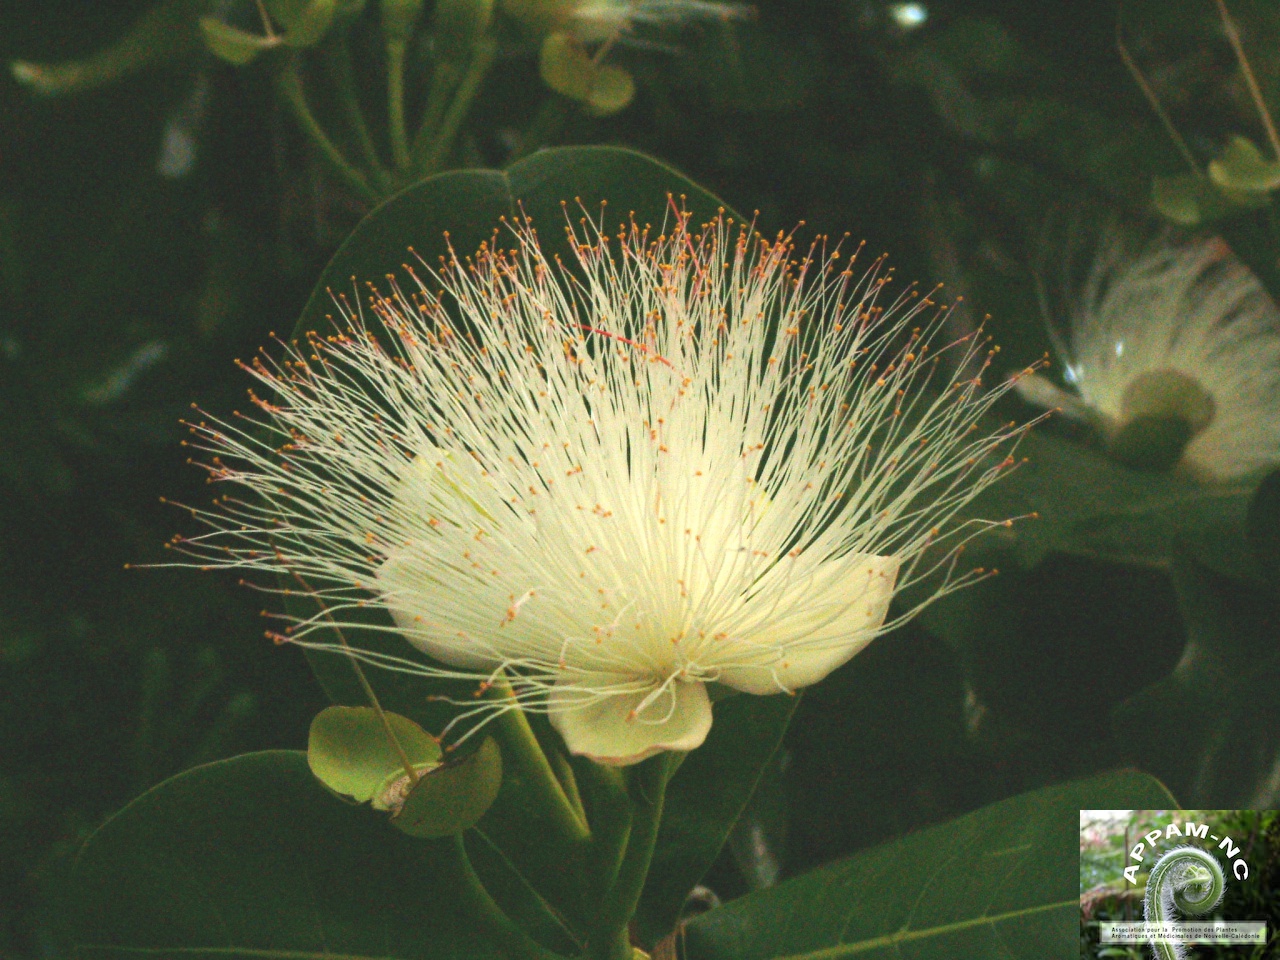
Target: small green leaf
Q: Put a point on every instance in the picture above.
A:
(305, 22)
(350, 753)
(1241, 166)
(568, 69)
(454, 796)
(233, 45)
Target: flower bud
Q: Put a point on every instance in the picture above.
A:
(568, 69)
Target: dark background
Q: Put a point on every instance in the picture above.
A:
(125, 295)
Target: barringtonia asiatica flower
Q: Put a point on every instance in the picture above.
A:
(595, 21)
(1183, 332)
(701, 457)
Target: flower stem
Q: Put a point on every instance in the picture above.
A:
(610, 820)
(339, 59)
(483, 55)
(545, 125)
(485, 911)
(396, 51)
(522, 752)
(289, 87)
(443, 81)
(610, 940)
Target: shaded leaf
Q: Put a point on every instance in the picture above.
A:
(998, 882)
(251, 857)
(1210, 728)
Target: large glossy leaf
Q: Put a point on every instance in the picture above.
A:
(251, 857)
(1000, 882)
(713, 786)
(1211, 728)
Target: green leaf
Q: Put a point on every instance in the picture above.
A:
(704, 801)
(1090, 506)
(350, 752)
(164, 33)
(251, 857)
(1241, 166)
(998, 882)
(1212, 727)
(453, 797)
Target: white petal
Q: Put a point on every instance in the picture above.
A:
(1043, 392)
(613, 730)
(411, 595)
(831, 616)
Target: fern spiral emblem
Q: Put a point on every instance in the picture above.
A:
(1186, 881)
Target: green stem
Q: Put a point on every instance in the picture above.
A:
(396, 52)
(524, 757)
(610, 820)
(568, 782)
(443, 81)
(289, 87)
(339, 58)
(610, 940)
(486, 912)
(545, 125)
(483, 55)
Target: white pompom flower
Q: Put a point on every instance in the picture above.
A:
(684, 459)
(1182, 331)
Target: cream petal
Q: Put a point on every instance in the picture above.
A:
(608, 730)
(825, 635)
(408, 592)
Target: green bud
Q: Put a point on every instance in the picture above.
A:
(453, 796)
(233, 45)
(399, 18)
(350, 752)
(567, 69)
(458, 25)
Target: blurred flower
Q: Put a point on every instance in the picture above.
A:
(1179, 341)
(699, 458)
(595, 21)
